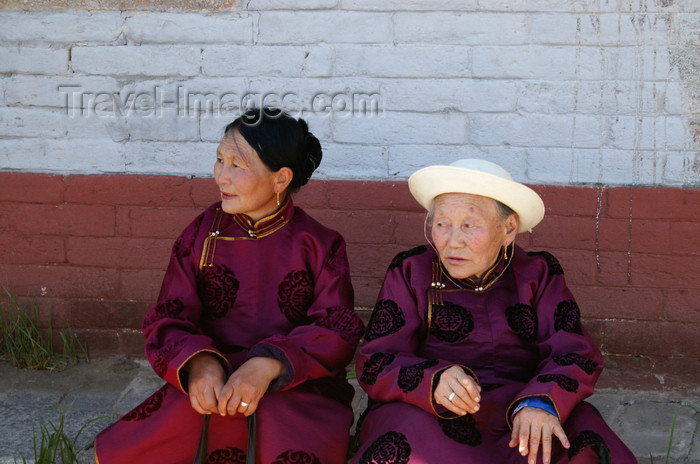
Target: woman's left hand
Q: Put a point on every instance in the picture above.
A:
(247, 385)
(457, 391)
(532, 426)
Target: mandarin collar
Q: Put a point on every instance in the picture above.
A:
(268, 224)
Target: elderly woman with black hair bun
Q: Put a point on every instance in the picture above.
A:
(475, 352)
(255, 315)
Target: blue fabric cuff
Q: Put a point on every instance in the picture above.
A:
(539, 402)
(271, 351)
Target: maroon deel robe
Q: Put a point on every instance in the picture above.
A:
(520, 336)
(278, 288)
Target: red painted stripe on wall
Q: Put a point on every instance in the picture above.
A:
(94, 250)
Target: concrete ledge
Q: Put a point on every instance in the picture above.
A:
(110, 387)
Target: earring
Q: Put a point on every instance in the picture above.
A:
(505, 252)
(278, 198)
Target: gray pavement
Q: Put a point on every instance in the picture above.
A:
(97, 393)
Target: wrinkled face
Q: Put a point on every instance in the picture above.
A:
(247, 186)
(468, 233)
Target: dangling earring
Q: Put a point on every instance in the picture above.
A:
(278, 198)
(505, 252)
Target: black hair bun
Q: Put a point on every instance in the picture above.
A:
(280, 141)
(315, 154)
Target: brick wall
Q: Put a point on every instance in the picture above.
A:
(93, 249)
(594, 103)
(595, 92)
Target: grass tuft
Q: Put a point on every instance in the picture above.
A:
(22, 343)
(53, 446)
(673, 429)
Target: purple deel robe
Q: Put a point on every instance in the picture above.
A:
(278, 288)
(519, 337)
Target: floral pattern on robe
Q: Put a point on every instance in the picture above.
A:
(278, 288)
(520, 337)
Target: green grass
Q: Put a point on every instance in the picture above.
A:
(22, 342)
(673, 428)
(53, 446)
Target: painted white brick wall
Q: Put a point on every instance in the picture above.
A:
(314, 27)
(25, 59)
(144, 60)
(253, 61)
(61, 27)
(188, 28)
(586, 92)
(473, 28)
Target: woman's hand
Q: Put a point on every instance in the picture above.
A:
(466, 391)
(206, 378)
(532, 426)
(247, 385)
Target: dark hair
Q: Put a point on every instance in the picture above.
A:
(280, 141)
(504, 211)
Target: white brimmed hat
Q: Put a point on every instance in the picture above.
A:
(478, 177)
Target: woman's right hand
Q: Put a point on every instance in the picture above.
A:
(466, 391)
(206, 379)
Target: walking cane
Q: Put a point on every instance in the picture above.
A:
(201, 456)
(250, 457)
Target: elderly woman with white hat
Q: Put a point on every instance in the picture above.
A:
(475, 352)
